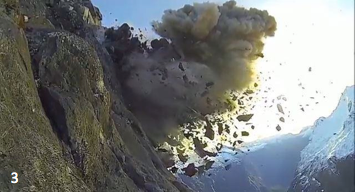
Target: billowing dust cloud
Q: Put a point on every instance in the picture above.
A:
(225, 38)
(210, 53)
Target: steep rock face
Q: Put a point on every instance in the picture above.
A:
(28, 145)
(64, 126)
(69, 15)
(327, 162)
(72, 91)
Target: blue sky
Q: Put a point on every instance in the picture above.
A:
(141, 12)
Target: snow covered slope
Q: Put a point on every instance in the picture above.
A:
(331, 144)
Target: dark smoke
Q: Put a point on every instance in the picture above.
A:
(207, 52)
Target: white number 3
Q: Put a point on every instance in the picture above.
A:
(14, 178)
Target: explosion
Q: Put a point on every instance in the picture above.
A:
(198, 75)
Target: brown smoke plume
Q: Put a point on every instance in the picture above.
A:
(226, 38)
(212, 52)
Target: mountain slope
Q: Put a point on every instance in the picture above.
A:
(327, 162)
(269, 165)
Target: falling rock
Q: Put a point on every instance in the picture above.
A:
(210, 154)
(278, 128)
(190, 170)
(282, 119)
(201, 170)
(245, 133)
(220, 128)
(234, 143)
(200, 151)
(174, 169)
(208, 164)
(280, 109)
(219, 147)
(245, 118)
(249, 91)
(182, 158)
(209, 131)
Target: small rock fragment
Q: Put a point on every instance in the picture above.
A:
(249, 91)
(210, 154)
(282, 119)
(220, 128)
(234, 143)
(280, 109)
(208, 164)
(174, 169)
(182, 158)
(245, 118)
(190, 170)
(219, 147)
(278, 128)
(199, 148)
(201, 169)
(245, 133)
(209, 131)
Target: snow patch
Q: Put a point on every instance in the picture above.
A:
(331, 137)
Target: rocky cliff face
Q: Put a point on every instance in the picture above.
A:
(63, 123)
(327, 162)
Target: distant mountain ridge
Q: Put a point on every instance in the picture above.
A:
(269, 165)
